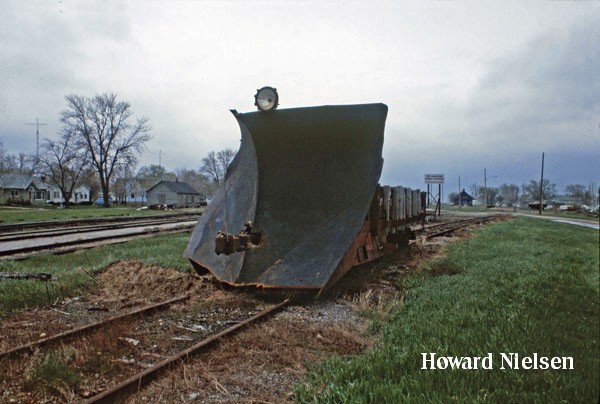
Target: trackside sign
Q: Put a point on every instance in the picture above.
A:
(434, 178)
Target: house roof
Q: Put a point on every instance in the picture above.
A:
(78, 188)
(464, 194)
(146, 183)
(177, 187)
(18, 181)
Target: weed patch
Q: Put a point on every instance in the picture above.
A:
(53, 373)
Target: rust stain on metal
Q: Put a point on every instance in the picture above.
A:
(136, 381)
(307, 179)
(89, 327)
(246, 239)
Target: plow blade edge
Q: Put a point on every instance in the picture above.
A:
(304, 178)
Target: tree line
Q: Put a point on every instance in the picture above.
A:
(512, 194)
(100, 140)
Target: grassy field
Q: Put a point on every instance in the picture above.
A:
(523, 286)
(72, 271)
(48, 213)
(593, 218)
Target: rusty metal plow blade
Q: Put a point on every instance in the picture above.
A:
(295, 196)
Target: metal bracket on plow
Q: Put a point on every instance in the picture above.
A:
(226, 243)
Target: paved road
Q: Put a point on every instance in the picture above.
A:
(576, 222)
(579, 223)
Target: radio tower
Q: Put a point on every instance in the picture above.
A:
(37, 136)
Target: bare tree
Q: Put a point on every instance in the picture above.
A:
(197, 180)
(63, 163)
(224, 157)
(89, 177)
(488, 195)
(509, 193)
(21, 163)
(102, 126)
(454, 198)
(215, 164)
(531, 191)
(26, 163)
(121, 184)
(156, 173)
(210, 167)
(3, 161)
(579, 192)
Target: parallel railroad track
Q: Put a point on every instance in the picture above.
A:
(176, 340)
(54, 224)
(151, 332)
(87, 228)
(24, 243)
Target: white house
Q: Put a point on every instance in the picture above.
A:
(81, 194)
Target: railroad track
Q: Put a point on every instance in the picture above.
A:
(61, 231)
(441, 229)
(24, 243)
(53, 224)
(150, 339)
(135, 332)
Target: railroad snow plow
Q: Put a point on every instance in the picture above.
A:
(301, 204)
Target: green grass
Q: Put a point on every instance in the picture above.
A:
(568, 215)
(49, 213)
(71, 270)
(589, 217)
(461, 208)
(53, 373)
(525, 286)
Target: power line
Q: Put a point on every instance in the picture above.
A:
(159, 156)
(37, 136)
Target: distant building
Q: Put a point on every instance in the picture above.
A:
(465, 199)
(132, 190)
(81, 194)
(22, 189)
(174, 193)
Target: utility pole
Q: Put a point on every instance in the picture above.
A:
(542, 187)
(485, 186)
(37, 137)
(459, 194)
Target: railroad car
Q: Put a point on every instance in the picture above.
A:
(301, 203)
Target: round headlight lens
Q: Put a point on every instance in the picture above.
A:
(266, 98)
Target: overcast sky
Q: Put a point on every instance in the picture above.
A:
(469, 84)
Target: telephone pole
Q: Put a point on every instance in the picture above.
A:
(459, 194)
(37, 136)
(485, 186)
(542, 187)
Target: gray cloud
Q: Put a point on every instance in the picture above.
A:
(547, 90)
(543, 97)
(466, 91)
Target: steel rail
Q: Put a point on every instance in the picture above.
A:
(464, 223)
(11, 227)
(470, 219)
(89, 327)
(110, 395)
(88, 243)
(58, 231)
